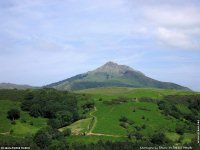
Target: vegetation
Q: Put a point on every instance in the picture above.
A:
(13, 114)
(50, 119)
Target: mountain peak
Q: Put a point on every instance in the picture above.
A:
(112, 74)
(110, 63)
(113, 68)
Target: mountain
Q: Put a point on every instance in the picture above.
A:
(15, 86)
(112, 74)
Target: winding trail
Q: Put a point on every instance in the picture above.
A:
(4, 133)
(94, 118)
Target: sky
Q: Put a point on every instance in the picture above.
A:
(45, 41)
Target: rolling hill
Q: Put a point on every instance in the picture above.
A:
(15, 86)
(112, 75)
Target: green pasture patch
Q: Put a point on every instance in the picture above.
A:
(78, 127)
(24, 125)
(92, 139)
(107, 93)
(145, 113)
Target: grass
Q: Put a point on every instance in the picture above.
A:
(107, 93)
(108, 115)
(78, 127)
(173, 136)
(25, 125)
(108, 118)
(92, 139)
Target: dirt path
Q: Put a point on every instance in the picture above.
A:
(94, 118)
(4, 133)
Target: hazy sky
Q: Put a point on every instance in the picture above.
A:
(43, 41)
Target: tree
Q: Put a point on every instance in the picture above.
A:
(35, 110)
(13, 114)
(54, 123)
(42, 139)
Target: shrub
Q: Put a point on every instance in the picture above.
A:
(67, 132)
(158, 138)
(123, 119)
(13, 122)
(124, 125)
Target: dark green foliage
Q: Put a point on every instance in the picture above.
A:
(123, 119)
(67, 132)
(124, 124)
(13, 114)
(117, 101)
(14, 95)
(180, 129)
(88, 105)
(42, 138)
(110, 146)
(35, 110)
(54, 123)
(168, 105)
(146, 99)
(60, 107)
(158, 138)
(13, 122)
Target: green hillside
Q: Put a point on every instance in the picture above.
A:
(112, 74)
(99, 116)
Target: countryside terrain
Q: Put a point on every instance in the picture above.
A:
(113, 114)
(112, 107)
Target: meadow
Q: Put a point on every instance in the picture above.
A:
(22, 127)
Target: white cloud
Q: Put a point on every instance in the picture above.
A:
(174, 38)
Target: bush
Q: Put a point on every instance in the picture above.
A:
(42, 139)
(23, 120)
(124, 125)
(138, 136)
(123, 119)
(158, 138)
(180, 129)
(67, 132)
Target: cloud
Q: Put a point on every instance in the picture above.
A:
(175, 38)
(43, 41)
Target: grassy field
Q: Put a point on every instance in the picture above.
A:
(25, 125)
(92, 139)
(111, 113)
(145, 113)
(78, 127)
(107, 125)
(107, 93)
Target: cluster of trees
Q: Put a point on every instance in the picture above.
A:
(44, 137)
(168, 106)
(12, 94)
(61, 108)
